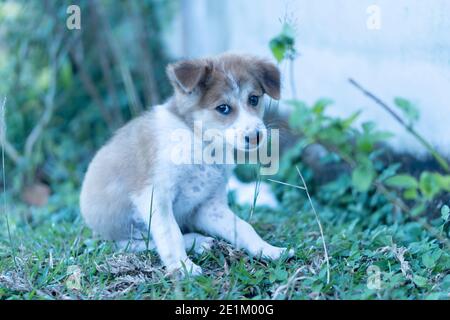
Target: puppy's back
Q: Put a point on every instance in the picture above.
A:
(121, 167)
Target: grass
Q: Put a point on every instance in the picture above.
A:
(57, 258)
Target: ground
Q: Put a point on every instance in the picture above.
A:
(56, 258)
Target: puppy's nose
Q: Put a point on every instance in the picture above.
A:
(254, 139)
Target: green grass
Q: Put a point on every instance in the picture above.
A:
(56, 258)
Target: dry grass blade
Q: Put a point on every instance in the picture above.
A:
(285, 288)
(286, 184)
(125, 264)
(7, 147)
(5, 205)
(327, 259)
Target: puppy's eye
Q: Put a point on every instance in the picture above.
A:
(224, 109)
(253, 100)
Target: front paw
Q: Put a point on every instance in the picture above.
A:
(185, 268)
(204, 245)
(275, 253)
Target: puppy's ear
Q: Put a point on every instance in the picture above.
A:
(187, 75)
(269, 77)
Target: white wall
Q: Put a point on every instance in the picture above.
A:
(409, 56)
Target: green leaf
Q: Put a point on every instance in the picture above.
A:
(283, 43)
(445, 212)
(418, 210)
(444, 181)
(389, 171)
(410, 194)
(362, 177)
(420, 281)
(368, 126)
(429, 260)
(281, 274)
(403, 181)
(320, 105)
(346, 123)
(436, 296)
(365, 144)
(278, 49)
(409, 110)
(429, 185)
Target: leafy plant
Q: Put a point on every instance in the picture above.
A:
(283, 45)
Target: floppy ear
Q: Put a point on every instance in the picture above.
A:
(186, 75)
(269, 77)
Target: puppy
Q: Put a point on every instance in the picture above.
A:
(134, 186)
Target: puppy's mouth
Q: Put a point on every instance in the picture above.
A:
(251, 144)
(251, 147)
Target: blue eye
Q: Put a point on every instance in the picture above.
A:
(224, 109)
(253, 100)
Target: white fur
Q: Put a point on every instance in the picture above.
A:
(245, 193)
(191, 197)
(134, 189)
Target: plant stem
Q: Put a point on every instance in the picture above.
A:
(394, 201)
(440, 159)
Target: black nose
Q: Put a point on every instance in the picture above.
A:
(255, 139)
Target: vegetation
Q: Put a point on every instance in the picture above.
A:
(385, 227)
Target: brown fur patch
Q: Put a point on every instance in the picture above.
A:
(207, 83)
(186, 75)
(212, 76)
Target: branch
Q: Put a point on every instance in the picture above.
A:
(57, 51)
(107, 75)
(440, 159)
(396, 202)
(49, 101)
(135, 103)
(90, 87)
(147, 70)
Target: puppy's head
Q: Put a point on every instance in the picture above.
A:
(226, 93)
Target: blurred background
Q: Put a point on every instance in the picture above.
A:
(396, 48)
(68, 90)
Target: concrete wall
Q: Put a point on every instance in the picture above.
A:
(408, 56)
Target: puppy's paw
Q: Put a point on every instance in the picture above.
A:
(205, 244)
(275, 253)
(185, 268)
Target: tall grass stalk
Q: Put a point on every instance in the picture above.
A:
(5, 206)
(305, 188)
(327, 259)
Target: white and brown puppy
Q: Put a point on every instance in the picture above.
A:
(135, 169)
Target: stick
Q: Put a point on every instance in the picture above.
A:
(397, 202)
(440, 159)
(135, 104)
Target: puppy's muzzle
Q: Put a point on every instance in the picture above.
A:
(254, 139)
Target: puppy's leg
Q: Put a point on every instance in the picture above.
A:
(165, 232)
(216, 219)
(192, 241)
